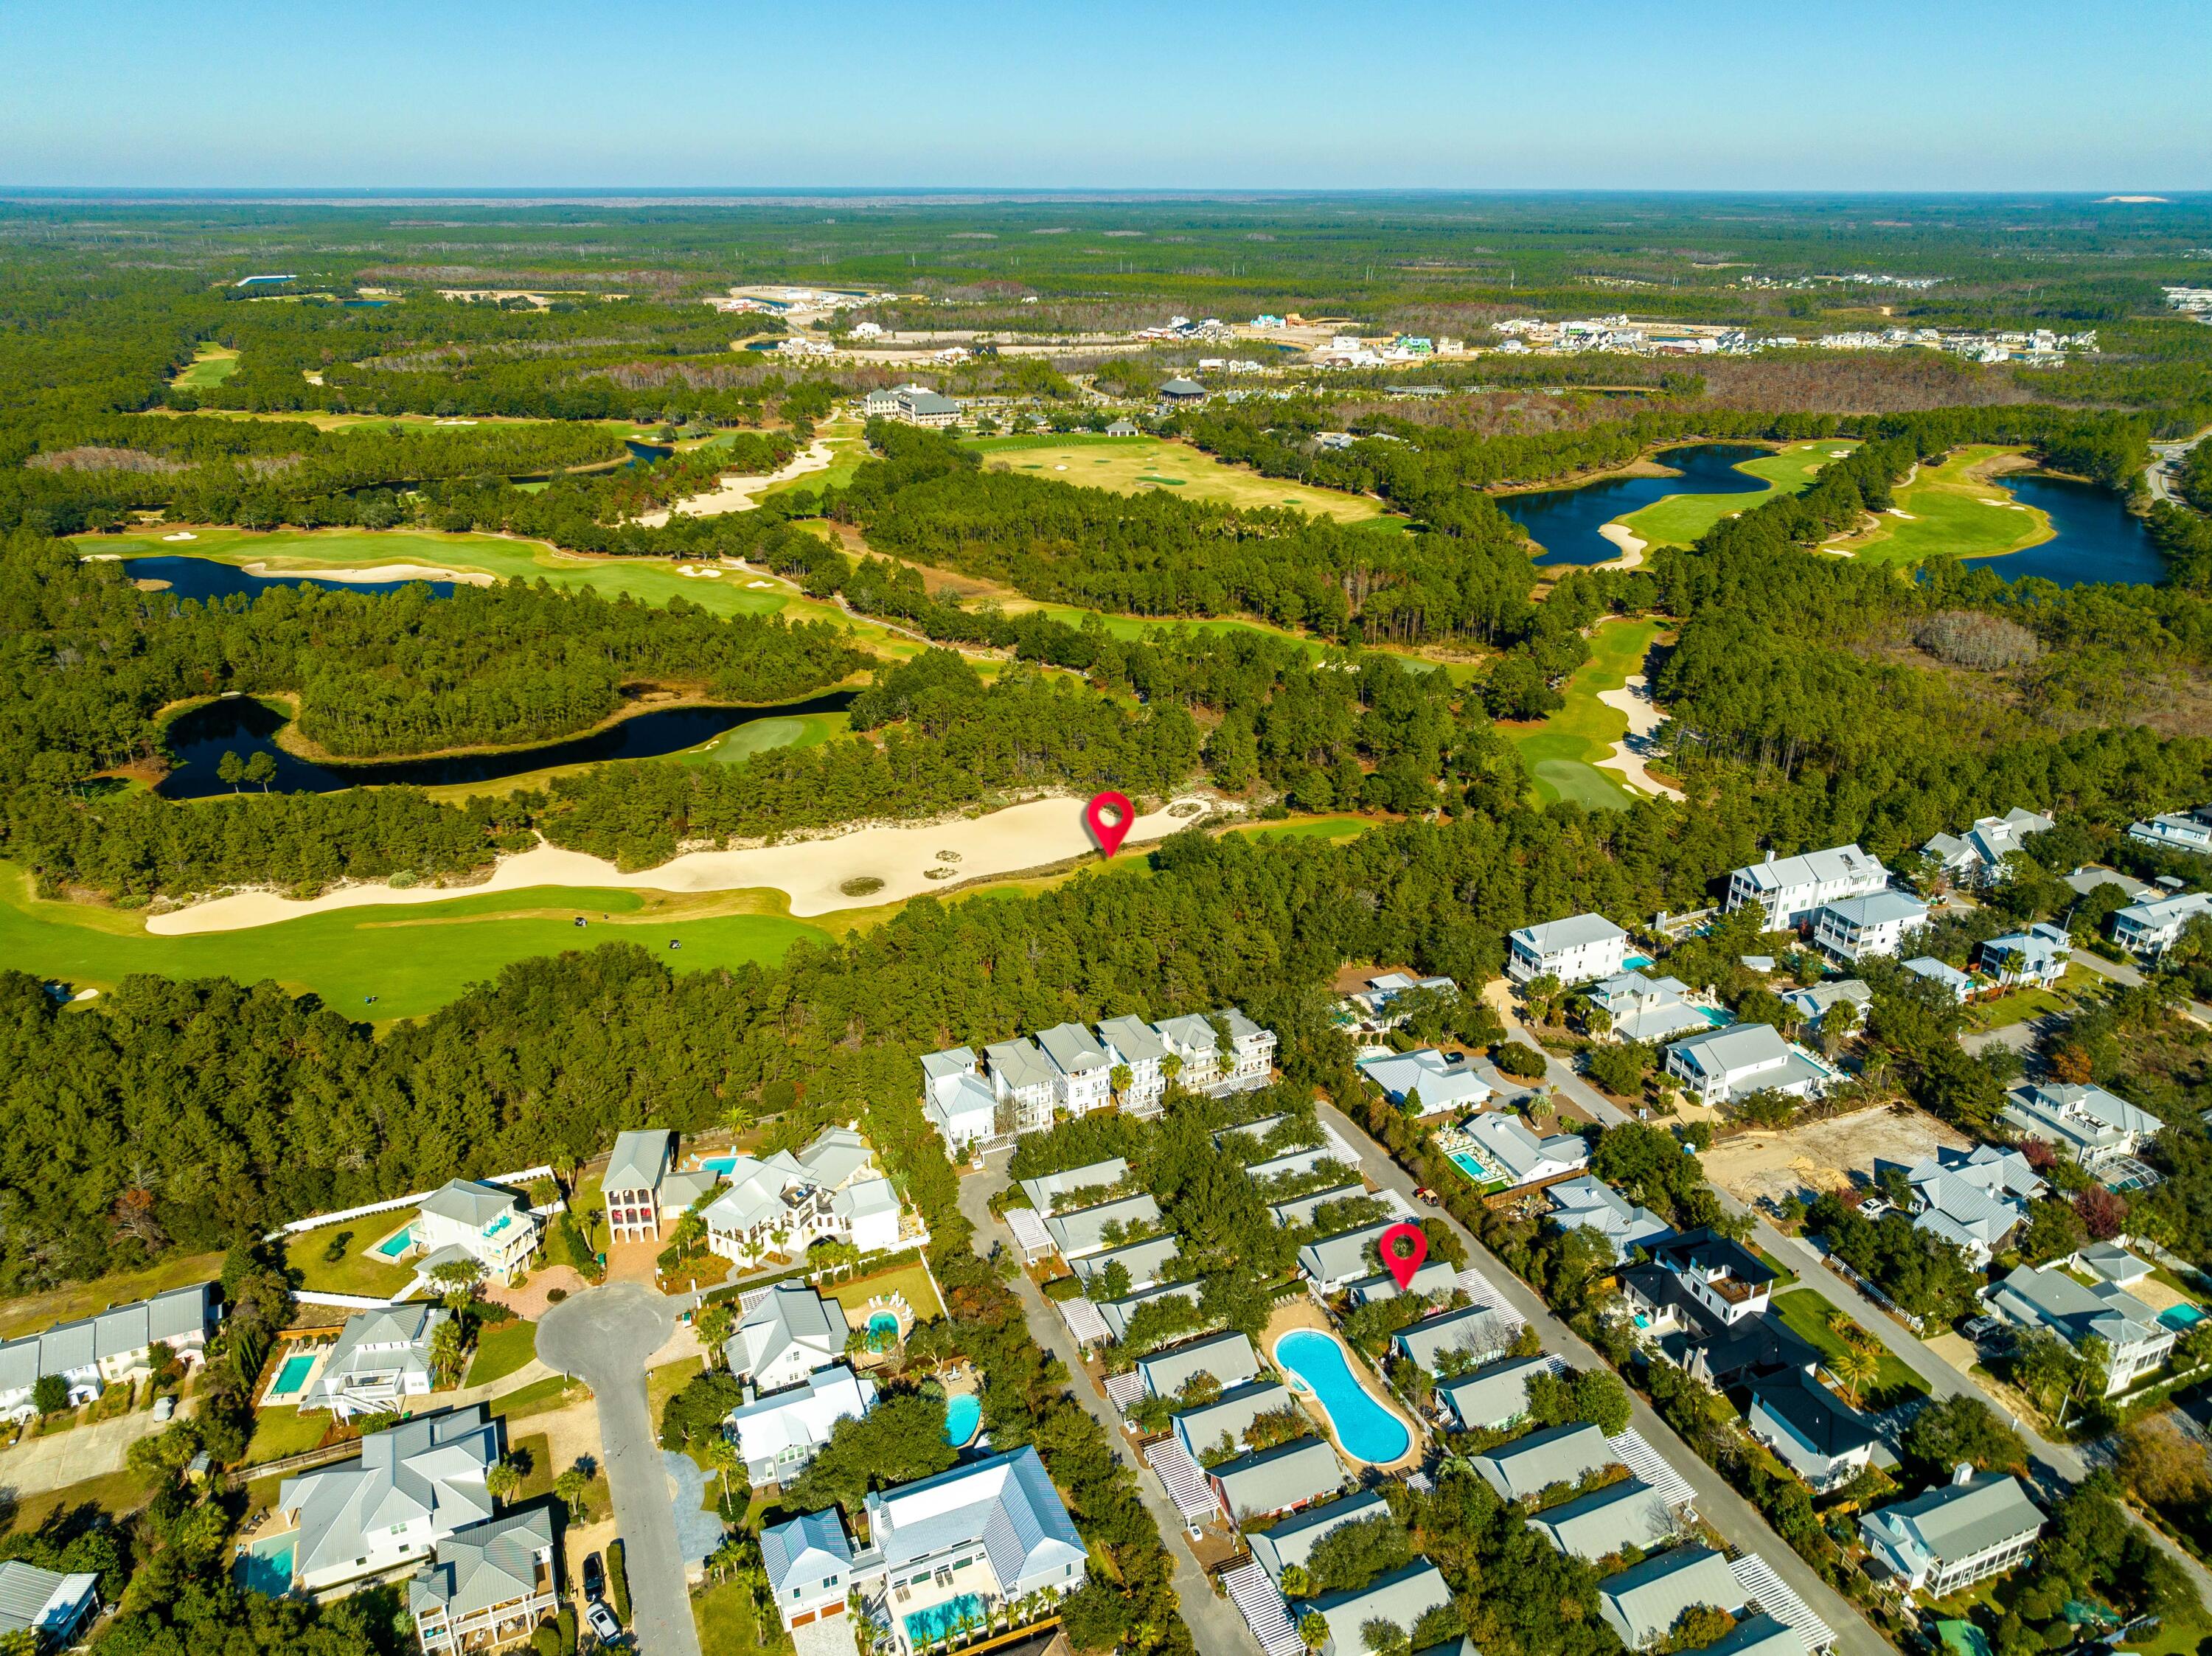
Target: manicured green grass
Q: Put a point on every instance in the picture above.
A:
(1130, 464)
(2022, 1005)
(1951, 513)
(211, 365)
(357, 1271)
(1679, 519)
(728, 1626)
(282, 1431)
(502, 1349)
(763, 734)
(1332, 829)
(910, 1280)
(1564, 752)
(413, 959)
(1806, 1313)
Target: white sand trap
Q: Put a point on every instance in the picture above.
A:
(691, 573)
(1838, 453)
(1900, 512)
(1644, 718)
(737, 493)
(181, 535)
(762, 585)
(1033, 835)
(450, 423)
(1059, 467)
(380, 571)
(1631, 547)
(101, 557)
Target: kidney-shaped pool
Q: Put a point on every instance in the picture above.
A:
(1364, 1429)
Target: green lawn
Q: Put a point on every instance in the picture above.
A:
(728, 1626)
(1951, 513)
(1679, 519)
(540, 1397)
(1806, 1313)
(284, 1431)
(356, 1270)
(1563, 752)
(1333, 828)
(211, 365)
(502, 1349)
(763, 734)
(413, 959)
(910, 1280)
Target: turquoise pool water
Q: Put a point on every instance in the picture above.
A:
(1465, 1161)
(939, 1620)
(392, 1247)
(963, 1415)
(1634, 962)
(2181, 1318)
(1718, 1016)
(266, 1566)
(1365, 1428)
(292, 1376)
(718, 1164)
(883, 1331)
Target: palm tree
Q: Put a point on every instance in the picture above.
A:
(1119, 1078)
(1856, 1366)
(724, 1457)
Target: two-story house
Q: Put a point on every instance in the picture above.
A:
(1853, 929)
(490, 1225)
(1586, 1202)
(959, 1103)
(631, 1185)
(2154, 925)
(779, 1435)
(1970, 1529)
(1972, 1200)
(1745, 1058)
(2188, 830)
(1819, 1438)
(1443, 1085)
(809, 1562)
(1788, 890)
(1577, 949)
(1640, 1008)
(411, 1487)
(1977, 857)
(490, 1584)
(382, 1358)
(2093, 1126)
(117, 1344)
(2137, 1342)
(2033, 959)
(1082, 1068)
(789, 1333)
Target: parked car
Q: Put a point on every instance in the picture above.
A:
(603, 1621)
(595, 1578)
(1426, 1194)
(164, 1408)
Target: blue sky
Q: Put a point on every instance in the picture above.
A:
(1939, 94)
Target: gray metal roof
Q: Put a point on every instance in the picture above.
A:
(1145, 1261)
(1402, 1598)
(397, 1338)
(1090, 1176)
(432, 1467)
(1628, 1513)
(1228, 1357)
(1644, 1601)
(1480, 1331)
(114, 1332)
(1132, 1039)
(1080, 1232)
(489, 1563)
(1019, 1064)
(1074, 1048)
(1559, 1454)
(1878, 908)
(1005, 1504)
(791, 1313)
(807, 1547)
(1958, 1520)
(1288, 1475)
(1757, 1635)
(1573, 933)
(467, 1202)
(1492, 1397)
(32, 1598)
(638, 1159)
(1231, 1414)
(1293, 1541)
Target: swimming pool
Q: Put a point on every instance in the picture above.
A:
(720, 1165)
(292, 1376)
(1466, 1162)
(2181, 1318)
(939, 1620)
(266, 1566)
(883, 1331)
(963, 1415)
(1366, 1430)
(396, 1244)
(1634, 962)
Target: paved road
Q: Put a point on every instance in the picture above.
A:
(1216, 1625)
(2165, 459)
(604, 1336)
(1737, 1519)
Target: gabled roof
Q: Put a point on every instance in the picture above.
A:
(1288, 1475)
(1019, 1065)
(1480, 1331)
(1143, 1261)
(1400, 1598)
(1936, 971)
(1812, 868)
(2080, 1115)
(1624, 1515)
(1559, 1454)
(1757, 1635)
(1335, 1259)
(1132, 1038)
(397, 1338)
(1878, 908)
(639, 1159)
(1431, 1276)
(1293, 1541)
(1957, 1520)
(1300, 1209)
(493, 1562)
(1073, 1049)
(1082, 1230)
(1493, 1396)
(1442, 1083)
(801, 1415)
(431, 1467)
(2075, 1311)
(1006, 1503)
(1588, 1202)
(804, 1549)
(1228, 1357)
(1740, 1047)
(1090, 1176)
(1231, 1414)
(43, 1600)
(789, 1315)
(466, 1201)
(1575, 931)
(836, 1155)
(1818, 1419)
(1643, 1602)
(1190, 1032)
(1116, 1313)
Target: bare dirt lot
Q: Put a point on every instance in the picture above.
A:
(1822, 1156)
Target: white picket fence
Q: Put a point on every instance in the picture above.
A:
(317, 1221)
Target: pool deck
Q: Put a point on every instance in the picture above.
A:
(1304, 1313)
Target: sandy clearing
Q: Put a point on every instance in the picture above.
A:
(181, 535)
(1037, 835)
(381, 571)
(1900, 512)
(737, 493)
(1644, 718)
(1631, 547)
(1822, 1156)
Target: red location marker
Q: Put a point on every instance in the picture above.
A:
(1109, 815)
(1403, 1247)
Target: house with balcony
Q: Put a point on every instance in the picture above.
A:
(959, 1103)
(1590, 1204)
(832, 1188)
(1725, 1280)
(2091, 1126)
(1973, 1200)
(809, 1563)
(2049, 1297)
(1814, 1002)
(1251, 1056)
(1265, 1482)
(1500, 1152)
(1742, 1059)
(1789, 890)
(1023, 1077)
(412, 1486)
(778, 1436)
(2149, 928)
(1443, 1085)
(489, 1225)
(1082, 1068)
(1956, 984)
(1195, 1046)
(1975, 857)
(2033, 959)
(631, 1184)
(115, 1345)
(1577, 949)
(1968, 1531)
(1817, 1435)
(488, 1585)
(2189, 830)
(966, 1543)
(45, 1608)
(1131, 1043)
(1372, 1007)
(381, 1360)
(1853, 928)
(1640, 1008)
(1400, 1598)
(789, 1333)
(1525, 1467)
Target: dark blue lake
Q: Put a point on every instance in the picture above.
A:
(203, 579)
(198, 739)
(2099, 539)
(1565, 522)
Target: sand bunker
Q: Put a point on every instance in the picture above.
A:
(1644, 718)
(812, 872)
(381, 571)
(736, 494)
(1631, 547)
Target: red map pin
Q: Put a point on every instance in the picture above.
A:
(1109, 815)
(1403, 1247)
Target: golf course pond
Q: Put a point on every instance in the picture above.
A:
(2097, 538)
(1565, 522)
(198, 738)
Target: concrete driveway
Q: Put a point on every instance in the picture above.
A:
(606, 1337)
(41, 1464)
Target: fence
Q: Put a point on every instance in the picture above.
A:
(393, 1204)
